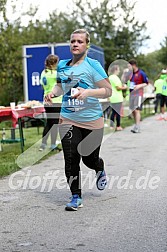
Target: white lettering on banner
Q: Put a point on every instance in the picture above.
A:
(35, 79)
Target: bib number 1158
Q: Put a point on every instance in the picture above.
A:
(75, 102)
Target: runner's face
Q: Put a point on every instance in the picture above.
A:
(78, 43)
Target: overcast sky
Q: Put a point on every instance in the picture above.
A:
(152, 11)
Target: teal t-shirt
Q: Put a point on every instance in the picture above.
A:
(85, 75)
(48, 80)
(117, 95)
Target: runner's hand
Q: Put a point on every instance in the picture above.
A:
(48, 98)
(82, 94)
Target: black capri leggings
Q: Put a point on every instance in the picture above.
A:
(80, 143)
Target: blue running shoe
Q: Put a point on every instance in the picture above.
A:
(101, 180)
(53, 147)
(74, 204)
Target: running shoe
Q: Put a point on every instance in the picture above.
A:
(74, 204)
(136, 130)
(42, 147)
(53, 147)
(101, 181)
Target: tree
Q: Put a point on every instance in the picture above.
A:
(9, 64)
(11, 75)
(58, 27)
(130, 34)
(163, 52)
(99, 21)
(111, 26)
(114, 27)
(150, 64)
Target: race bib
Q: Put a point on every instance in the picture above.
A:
(132, 85)
(73, 104)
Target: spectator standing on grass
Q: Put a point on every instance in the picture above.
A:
(48, 79)
(116, 99)
(163, 102)
(158, 84)
(125, 78)
(138, 81)
(82, 81)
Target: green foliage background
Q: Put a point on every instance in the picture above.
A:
(113, 27)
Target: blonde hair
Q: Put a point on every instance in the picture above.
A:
(83, 31)
(112, 69)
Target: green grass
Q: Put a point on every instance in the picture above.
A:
(11, 157)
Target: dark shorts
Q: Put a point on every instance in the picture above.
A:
(163, 100)
(136, 102)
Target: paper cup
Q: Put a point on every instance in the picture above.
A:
(12, 105)
(19, 106)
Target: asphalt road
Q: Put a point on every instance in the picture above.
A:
(129, 216)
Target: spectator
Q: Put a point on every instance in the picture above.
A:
(163, 77)
(48, 81)
(158, 84)
(138, 81)
(117, 97)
